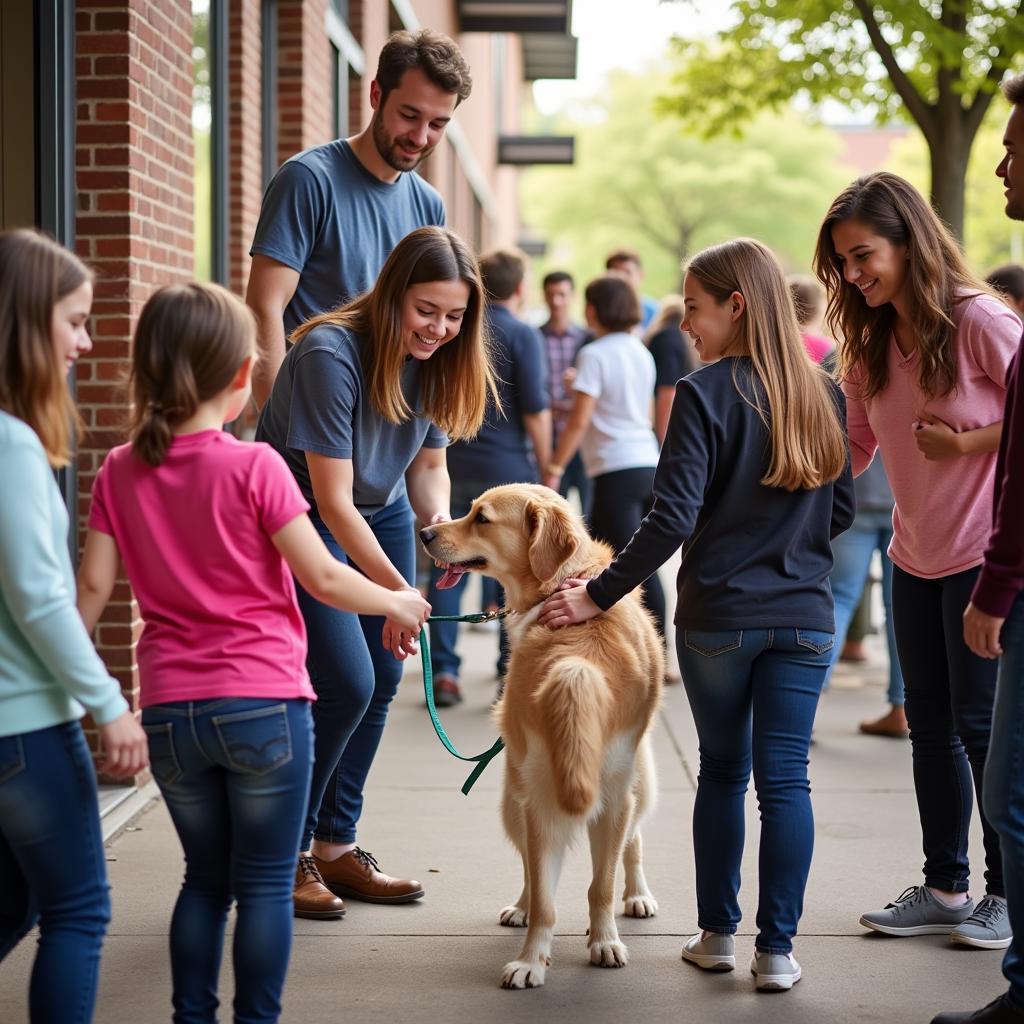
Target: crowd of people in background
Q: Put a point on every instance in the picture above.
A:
(784, 434)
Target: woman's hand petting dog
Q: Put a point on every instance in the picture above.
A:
(568, 605)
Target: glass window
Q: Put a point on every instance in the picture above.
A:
(202, 118)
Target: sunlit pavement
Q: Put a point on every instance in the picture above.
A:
(440, 960)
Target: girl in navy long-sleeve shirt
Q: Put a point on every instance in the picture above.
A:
(753, 483)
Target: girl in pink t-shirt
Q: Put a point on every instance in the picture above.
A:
(210, 530)
(923, 362)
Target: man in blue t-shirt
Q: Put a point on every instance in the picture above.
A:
(512, 447)
(332, 214)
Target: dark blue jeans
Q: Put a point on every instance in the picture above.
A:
(853, 550)
(355, 678)
(444, 635)
(950, 692)
(1004, 788)
(234, 774)
(753, 694)
(52, 868)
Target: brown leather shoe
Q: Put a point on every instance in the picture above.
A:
(311, 898)
(356, 875)
(893, 723)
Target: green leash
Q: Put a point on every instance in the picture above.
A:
(484, 759)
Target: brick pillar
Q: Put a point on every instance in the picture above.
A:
(134, 224)
(244, 135)
(358, 84)
(304, 76)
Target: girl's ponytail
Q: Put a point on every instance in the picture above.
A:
(190, 342)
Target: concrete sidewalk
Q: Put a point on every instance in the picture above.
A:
(440, 960)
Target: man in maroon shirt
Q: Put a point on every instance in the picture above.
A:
(994, 628)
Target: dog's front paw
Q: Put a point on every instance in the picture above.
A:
(610, 953)
(520, 974)
(513, 916)
(641, 905)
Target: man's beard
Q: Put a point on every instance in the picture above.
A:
(389, 149)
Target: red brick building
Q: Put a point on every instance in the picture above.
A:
(142, 134)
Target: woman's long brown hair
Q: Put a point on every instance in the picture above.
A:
(808, 442)
(937, 276)
(35, 274)
(458, 379)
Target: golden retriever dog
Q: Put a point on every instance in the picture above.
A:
(575, 715)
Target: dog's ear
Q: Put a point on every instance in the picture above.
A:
(553, 538)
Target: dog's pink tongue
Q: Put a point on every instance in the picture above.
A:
(451, 575)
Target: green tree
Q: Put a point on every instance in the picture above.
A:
(640, 181)
(990, 238)
(936, 62)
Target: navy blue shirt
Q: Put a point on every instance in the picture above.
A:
(320, 403)
(752, 556)
(502, 453)
(327, 217)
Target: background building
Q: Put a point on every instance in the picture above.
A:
(142, 133)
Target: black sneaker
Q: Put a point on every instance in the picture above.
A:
(999, 1011)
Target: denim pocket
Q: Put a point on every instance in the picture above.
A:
(816, 640)
(12, 757)
(163, 759)
(711, 644)
(255, 742)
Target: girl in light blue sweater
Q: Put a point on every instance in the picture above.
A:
(52, 868)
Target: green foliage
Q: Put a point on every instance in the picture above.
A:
(990, 238)
(778, 49)
(641, 180)
(935, 62)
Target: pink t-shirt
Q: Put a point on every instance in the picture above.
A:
(817, 347)
(217, 598)
(943, 514)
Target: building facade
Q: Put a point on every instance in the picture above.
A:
(142, 133)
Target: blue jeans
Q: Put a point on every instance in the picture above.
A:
(871, 531)
(753, 694)
(234, 774)
(444, 635)
(950, 693)
(355, 678)
(1003, 793)
(52, 868)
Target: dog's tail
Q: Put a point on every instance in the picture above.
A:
(574, 700)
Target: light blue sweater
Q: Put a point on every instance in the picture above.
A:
(48, 666)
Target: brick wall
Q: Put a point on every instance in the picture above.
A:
(245, 177)
(304, 76)
(134, 222)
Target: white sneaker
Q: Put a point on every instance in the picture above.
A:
(714, 952)
(774, 972)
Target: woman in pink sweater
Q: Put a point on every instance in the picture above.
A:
(923, 358)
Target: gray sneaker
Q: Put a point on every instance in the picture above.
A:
(774, 972)
(715, 952)
(917, 912)
(988, 927)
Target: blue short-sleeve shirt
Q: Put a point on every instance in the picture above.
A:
(327, 217)
(321, 404)
(501, 452)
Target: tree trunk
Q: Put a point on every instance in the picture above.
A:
(949, 152)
